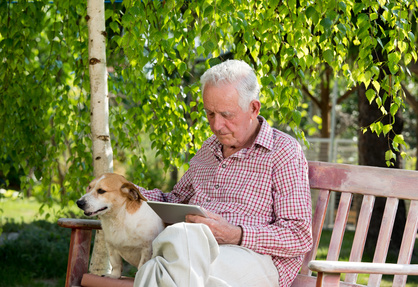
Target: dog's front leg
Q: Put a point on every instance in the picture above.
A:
(115, 263)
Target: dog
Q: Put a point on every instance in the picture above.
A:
(129, 224)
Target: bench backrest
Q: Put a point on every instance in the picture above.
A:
(371, 182)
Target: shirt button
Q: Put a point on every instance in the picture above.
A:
(223, 165)
(216, 186)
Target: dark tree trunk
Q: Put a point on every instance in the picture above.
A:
(372, 150)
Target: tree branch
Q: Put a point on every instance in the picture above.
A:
(410, 99)
(306, 91)
(347, 94)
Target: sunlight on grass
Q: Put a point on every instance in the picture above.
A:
(26, 210)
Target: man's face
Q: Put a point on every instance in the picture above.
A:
(232, 126)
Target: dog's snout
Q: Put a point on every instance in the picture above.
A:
(81, 203)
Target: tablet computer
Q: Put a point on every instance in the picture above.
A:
(175, 212)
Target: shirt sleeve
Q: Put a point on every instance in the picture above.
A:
(181, 193)
(290, 234)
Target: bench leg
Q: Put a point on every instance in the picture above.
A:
(328, 280)
(78, 257)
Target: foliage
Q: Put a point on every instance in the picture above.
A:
(156, 53)
(40, 252)
(43, 108)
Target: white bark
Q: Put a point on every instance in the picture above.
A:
(102, 149)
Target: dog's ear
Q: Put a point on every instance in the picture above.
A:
(132, 191)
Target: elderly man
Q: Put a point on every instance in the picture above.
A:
(252, 180)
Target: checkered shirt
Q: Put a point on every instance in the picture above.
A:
(264, 189)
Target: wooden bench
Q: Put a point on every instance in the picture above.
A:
(348, 180)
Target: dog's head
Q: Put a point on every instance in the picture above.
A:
(110, 192)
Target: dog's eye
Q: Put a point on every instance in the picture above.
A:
(101, 191)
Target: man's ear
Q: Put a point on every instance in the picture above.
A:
(255, 106)
(132, 192)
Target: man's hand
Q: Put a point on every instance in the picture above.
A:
(224, 232)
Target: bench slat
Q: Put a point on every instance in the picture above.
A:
(361, 234)
(408, 240)
(384, 182)
(318, 220)
(384, 236)
(339, 226)
(362, 267)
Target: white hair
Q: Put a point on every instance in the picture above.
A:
(235, 72)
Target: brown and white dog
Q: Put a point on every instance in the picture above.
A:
(129, 224)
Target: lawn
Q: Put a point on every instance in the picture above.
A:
(19, 210)
(16, 209)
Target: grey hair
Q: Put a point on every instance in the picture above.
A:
(235, 72)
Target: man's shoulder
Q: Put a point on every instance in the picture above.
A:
(283, 140)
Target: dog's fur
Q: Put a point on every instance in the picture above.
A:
(129, 224)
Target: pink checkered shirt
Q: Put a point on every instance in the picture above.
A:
(264, 189)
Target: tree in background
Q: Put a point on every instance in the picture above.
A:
(156, 53)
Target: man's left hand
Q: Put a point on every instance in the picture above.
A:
(224, 232)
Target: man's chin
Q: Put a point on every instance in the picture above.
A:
(225, 140)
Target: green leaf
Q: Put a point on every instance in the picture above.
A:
(209, 47)
(370, 94)
(327, 24)
(200, 50)
(297, 116)
(399, 139)
(342, 29)
(358, 7)
(376, 85)
(387, 128)
(389, 155)
(329, 56)
(373, 16)
(310, 11)
(393, 109)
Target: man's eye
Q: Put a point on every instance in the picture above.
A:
(227, 115)
(101, 191)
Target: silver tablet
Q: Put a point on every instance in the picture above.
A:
(175, 212)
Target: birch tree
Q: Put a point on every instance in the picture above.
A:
(99, 114)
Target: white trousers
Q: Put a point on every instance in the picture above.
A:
(187, 255)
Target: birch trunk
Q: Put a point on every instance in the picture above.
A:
(102, 149)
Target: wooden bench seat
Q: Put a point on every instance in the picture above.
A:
(348, 180)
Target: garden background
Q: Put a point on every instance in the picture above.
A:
(331, 71)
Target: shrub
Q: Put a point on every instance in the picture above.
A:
(40, 252)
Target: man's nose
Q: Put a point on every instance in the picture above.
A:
(217, 122)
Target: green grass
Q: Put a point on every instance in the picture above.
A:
(26, 210)
(19, 210)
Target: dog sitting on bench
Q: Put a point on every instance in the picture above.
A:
(129, 224)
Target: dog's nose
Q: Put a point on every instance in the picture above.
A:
(81, 203)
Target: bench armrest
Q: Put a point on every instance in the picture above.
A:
(79, 253)
(85, 224)
(362, 267)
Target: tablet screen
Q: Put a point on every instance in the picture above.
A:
(175, 212)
